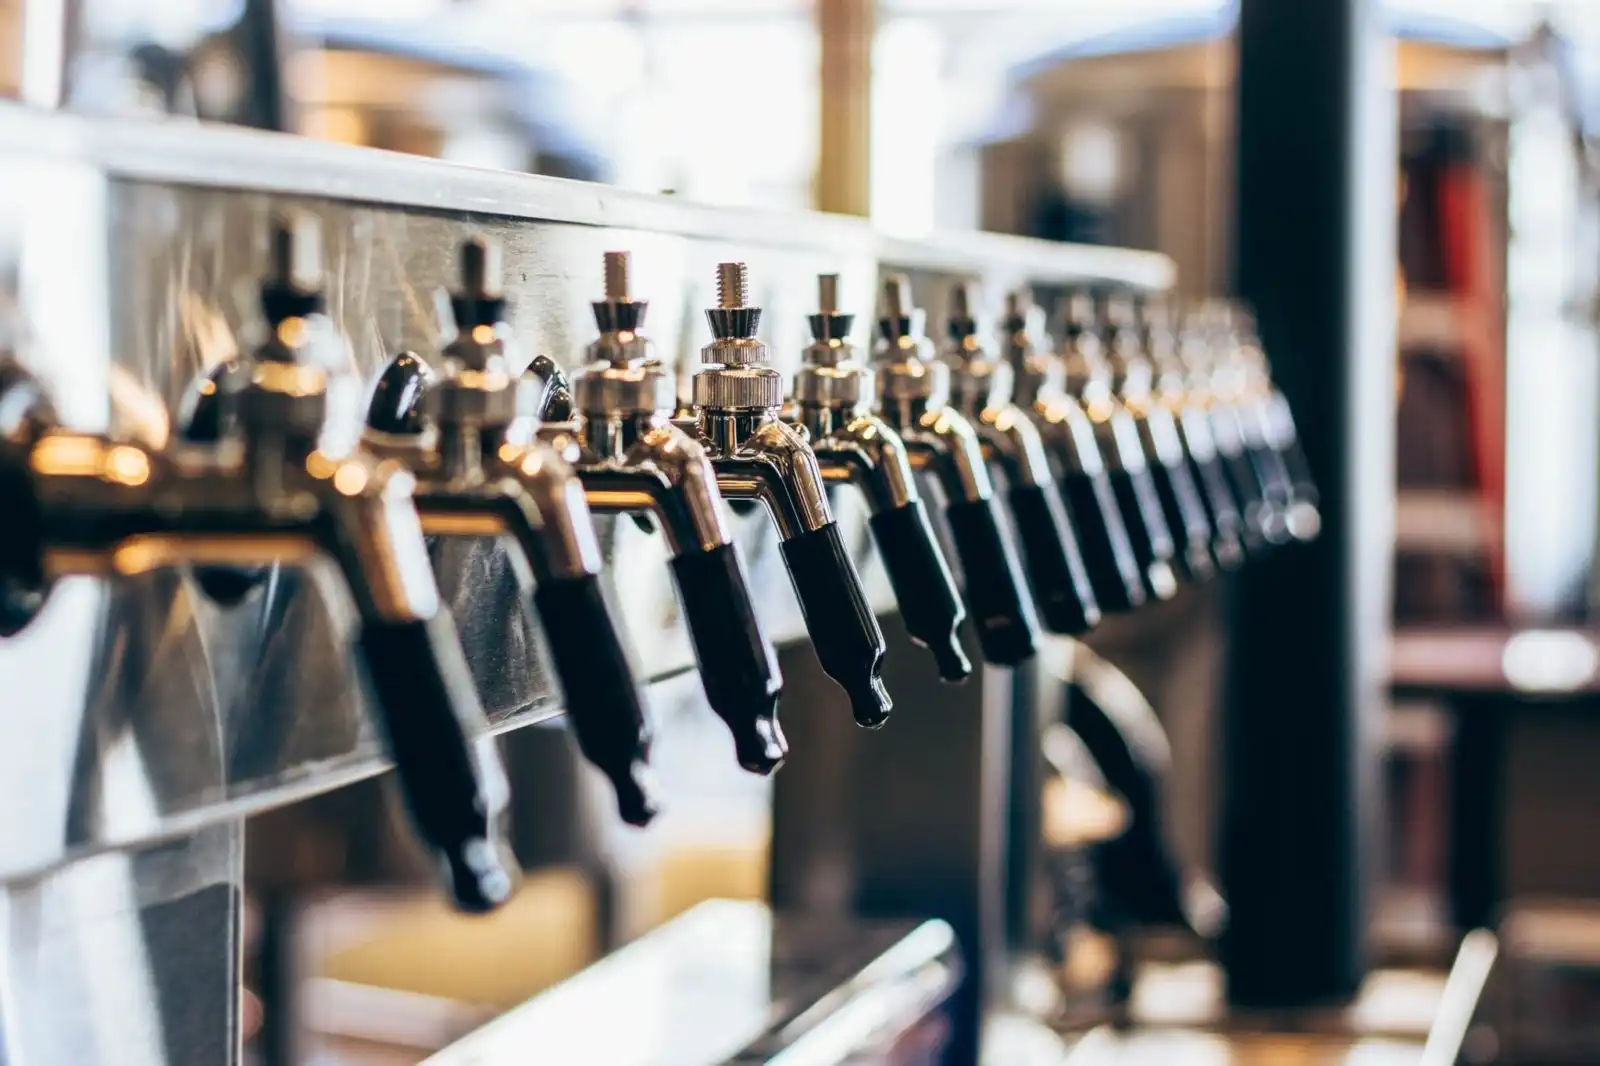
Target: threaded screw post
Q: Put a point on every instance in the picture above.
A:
(964, 300)
(616, 269)
(828, 293)
(296, 251)
(480, 267)
(896, 296)
(733, 285)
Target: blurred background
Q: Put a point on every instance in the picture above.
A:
(1063, 119)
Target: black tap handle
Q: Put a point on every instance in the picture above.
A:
(1293, 453)
(1294, 459)
(1107, 547)
(1222, 509)
(843, 631)
(1053, 559)
(427, 708)
(738, 664)
(554, 389)
(20, 604)
(23, 586)
(604, 704)
(396, 404)
(997, 595)
(929, 601)
(205, 415)
(1147, 527)
(1186, 517)
(1255, 509)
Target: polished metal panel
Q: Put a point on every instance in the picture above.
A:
(732, 982)
(128, 958)
(138, 709)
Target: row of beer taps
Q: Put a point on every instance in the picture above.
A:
(1069, 481)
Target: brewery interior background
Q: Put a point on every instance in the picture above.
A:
(1475, 471)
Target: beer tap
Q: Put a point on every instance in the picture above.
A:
(1039, 387)
(1216, 389)
(980, 387)
(1271, 428)
(833, 394)
(1133, 380)
(1173, 392)
(474, 480)
(1090, 380)
(913, 397)
(631, 458)
(738, 399)
(26, 413)
(95, 504)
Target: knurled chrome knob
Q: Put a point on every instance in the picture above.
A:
(733, 322)
(1082, 348)
(286, 389)
(478, 308)
(830, 375)
(736, 376)
(743, 388)
(830, 327)
(623, 376)
(902, 360)
(965, 300)
(899, 320)
(482, 397)
(477, 385)
(626, 390)
(978, 380)
(292, 289)
(1076, 315)
(1159, 327)
(284, 398)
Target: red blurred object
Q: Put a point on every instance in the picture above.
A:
(1467, 247)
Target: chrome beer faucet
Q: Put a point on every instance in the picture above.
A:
(980, 387)
(631, 458)
(913, 397)
(473, 479)
(738, 400)
(1272, 429)
(1090, 381)
(86, 503)
(1171, 390)
(1133, 380)
(1039, 387)
(1241, 395)
(1216, 390)
(832, 401)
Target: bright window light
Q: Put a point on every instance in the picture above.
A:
(1549, 661)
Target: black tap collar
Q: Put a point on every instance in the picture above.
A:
(831, 326)
(619, 316)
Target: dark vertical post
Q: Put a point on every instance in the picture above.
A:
(1315, 234)
(1031, 702)
(1477, 808)
(281, 1038)
(265, 57)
